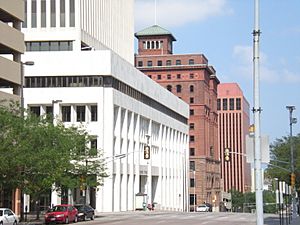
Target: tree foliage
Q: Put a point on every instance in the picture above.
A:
(36, 154)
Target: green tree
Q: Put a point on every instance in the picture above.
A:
(39, 156)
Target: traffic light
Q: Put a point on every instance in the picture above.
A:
(227, 154)
(147, 152)
(293, 178)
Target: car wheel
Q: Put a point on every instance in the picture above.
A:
(67, 220)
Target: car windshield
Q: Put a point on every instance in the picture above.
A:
(1, 212)
(59, 209)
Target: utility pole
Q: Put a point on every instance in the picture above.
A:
(292, 121)
(256, 112)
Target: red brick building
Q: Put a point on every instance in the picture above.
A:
(194, 81)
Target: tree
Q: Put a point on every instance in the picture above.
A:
(38, 156)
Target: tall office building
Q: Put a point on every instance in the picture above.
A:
(101, 90)
(189, 77)
(233, 114)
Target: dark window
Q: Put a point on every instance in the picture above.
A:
(192, 126)
(35, 110)
(192, 165)
(169, 77)
(93, 149)
(191, 112)
(193, 199)
(192, 151)
(62, 13)
(178, 76)
(80, 111)
(66, 113)
(33, 14)
(191, 100)
(238, 104)
(168, 63)
(169, 88)
(231, 104)
(178, 88)
(49, 110)
(192, 182)
(219, 104)
(72, 13)
(191, 76)
(94, 113)
(52, 11)
(192, 138)
(192, 88)
(149, 63)
(159, 63)
(191, 62)
(178, 62)
(140, 63)
(224, 103)
(43, 13)
(158, 77)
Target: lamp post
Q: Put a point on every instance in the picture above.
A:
(292, 121)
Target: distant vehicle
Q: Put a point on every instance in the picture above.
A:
(85, 212)
(202, 208)
(61, 214)
(7, 217)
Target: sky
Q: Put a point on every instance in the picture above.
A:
(222, 31)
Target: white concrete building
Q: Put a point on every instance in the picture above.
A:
(119, 106)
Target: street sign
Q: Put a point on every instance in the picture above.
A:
(264, 146)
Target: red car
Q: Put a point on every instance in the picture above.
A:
(61, 214)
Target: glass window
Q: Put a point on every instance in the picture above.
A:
(159, 63)
(158, 77)
(192, 182)
(43, 13)
(52, 11)
(192, 138)
(44, 46)
(33, 14)
(191, 76)
(72, 13)
(219, 104)
(231, 104)
(178, 62)
(94, 147)
(193, 199)
(35, 46)
(192, 151)
(224, 103)
(192, 126)
(62, 13)
(168, 62)
(140, 63)
(191, 100)
(169, 76)
(169, 88)
(64, 46)
(80, 112)
(192, 88)
(49, 110)
(192, 165)
(24, 24)
(149, 63)
(191, 61)
(238, 104)
(54, 46)
(178, 88)
(191, 112)
(178, 76)
(36, 110)
(66, 113)
(94, 113)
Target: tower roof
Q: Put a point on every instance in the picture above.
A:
(154, 30)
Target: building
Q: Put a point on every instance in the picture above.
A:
(192, 79)
(233, 114)
(101, 90)
(11, 48)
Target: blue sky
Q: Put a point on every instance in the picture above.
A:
(222, 31)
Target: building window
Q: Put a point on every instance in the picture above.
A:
(219, 104)
(72, 13)
(192, 138)
(158, 77)
(24, 24)
(33, 46)
(192, 166)
(192, 182)
(53, 14)
(80, 112)
(66, 113)
(191, 62)
(192, 126)
(191, 112)
(169, 77)
(238, 104)
(33, 14)
(149, 63)
(224, 103)
(192, 151)
(193, 199)
(169, 88)
(94, 113)
(191, 76)
(62, 13)
(178, 88)
(93, 150)
(191, 100)
(159, 63)
(178, 62)
(231, 104)
(49, 110)
(192, 88)
(140, 63)
(43, 13)
(168, 63)
(150, 76)
(178, 76)
(36, 110)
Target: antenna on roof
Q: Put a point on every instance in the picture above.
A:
(155, 12)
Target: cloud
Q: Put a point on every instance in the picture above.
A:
(175, 13)
(243, 56)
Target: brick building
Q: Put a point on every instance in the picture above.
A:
(194, 81)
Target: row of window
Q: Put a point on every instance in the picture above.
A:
(80, 112)
(167, 63)
(34, 46)
(152, 44)
(179, 88)
(34, 11)
(169, 76)
(234, 104)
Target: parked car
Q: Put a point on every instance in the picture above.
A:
(202, 208)
(85, 212)
(7, 217)
(61, 214)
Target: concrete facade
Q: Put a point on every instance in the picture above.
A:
(233, 114)
(189, 77)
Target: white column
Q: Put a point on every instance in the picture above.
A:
(117, 163)
(124, 165)
(137, 155)
(131, 155)
(149, 172)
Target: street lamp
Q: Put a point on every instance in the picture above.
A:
(293, 120)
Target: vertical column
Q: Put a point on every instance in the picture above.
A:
(149, 172)
(124, 165)
(131, 154)
(137, 155)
